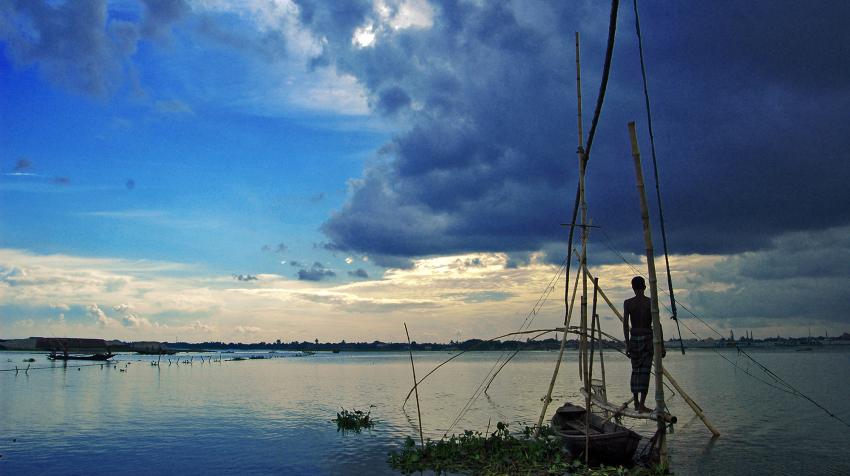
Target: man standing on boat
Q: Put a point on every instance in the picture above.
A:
(639, 346)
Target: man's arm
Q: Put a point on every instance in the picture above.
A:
(626, 326)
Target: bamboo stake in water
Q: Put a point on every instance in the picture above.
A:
(415, 386)
(658, 336)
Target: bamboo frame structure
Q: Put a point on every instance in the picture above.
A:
(694, 406)
(659, 416)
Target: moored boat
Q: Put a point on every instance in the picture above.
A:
(607, 442)
(100, 357)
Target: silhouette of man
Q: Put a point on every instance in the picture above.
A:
(639, 346)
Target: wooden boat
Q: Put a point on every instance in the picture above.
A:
(100, 357)
(608, 442)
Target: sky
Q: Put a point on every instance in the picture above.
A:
(250, 170)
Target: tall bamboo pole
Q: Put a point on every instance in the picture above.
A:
(658, 336)
(696, 408)
(568, 306)
(582, 162)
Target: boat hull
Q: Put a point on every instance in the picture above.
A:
(99, 357)
(608, 442)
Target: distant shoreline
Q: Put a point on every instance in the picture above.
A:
(85, 345)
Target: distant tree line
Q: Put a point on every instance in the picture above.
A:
(316, 346)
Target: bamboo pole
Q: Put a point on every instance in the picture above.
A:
(415, 386)
(696, 408)
(568, 306)
(548, 398)
(587, 373)
(593, 320)
(599, 329)
(658, 336)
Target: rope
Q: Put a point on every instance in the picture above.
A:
(479, 391)
(778, 382)
(655, 173)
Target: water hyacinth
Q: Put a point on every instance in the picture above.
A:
(353, 420)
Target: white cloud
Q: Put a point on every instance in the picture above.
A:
(393, 15)
(102, 319)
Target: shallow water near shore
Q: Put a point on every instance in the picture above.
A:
(273, 415)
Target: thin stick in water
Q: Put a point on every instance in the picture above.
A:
(415, 386)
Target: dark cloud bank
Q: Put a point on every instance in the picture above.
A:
(748, 105)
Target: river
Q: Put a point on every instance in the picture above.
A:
(273, 415)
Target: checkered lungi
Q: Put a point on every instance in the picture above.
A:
(641, 354)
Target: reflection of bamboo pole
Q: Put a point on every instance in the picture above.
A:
(658, 336)
(697, 410)
(415, 386)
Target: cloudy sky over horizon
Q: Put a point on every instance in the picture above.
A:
(299, 169)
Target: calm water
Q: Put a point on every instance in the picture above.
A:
(273, 416)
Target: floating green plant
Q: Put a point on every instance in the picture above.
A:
(353, 420)
(499, 453)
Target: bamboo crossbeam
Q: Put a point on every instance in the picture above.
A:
(696, 408)
(662, 417)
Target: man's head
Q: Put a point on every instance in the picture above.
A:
(638, 284)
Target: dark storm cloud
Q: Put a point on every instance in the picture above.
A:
(316, 273)
(800, 275)
(359, 273)
(76, 44)
(747, 107)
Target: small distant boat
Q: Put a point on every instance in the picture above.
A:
(335, 351)
(608, 442)
(100, 357)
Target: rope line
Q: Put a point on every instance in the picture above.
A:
(675, 315)
(778, 382)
